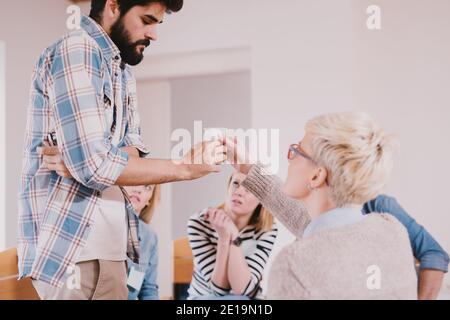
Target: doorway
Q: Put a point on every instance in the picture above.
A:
(2, 147)
(174, 91)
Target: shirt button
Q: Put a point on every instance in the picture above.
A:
(116, 74)
(117, 57)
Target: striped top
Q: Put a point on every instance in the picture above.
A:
(256, 246)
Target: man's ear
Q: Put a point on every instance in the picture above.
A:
(112, 9)
(320, 178)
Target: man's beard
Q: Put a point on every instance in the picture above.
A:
(128, 50)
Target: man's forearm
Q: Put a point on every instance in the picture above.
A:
(132, 151)
(135, 171)
(141, 171)
(430, 282)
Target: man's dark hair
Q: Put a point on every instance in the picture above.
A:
(97, 6)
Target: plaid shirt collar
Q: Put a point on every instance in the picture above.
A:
(108, 47)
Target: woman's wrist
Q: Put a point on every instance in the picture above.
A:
(234, 236)
(245, 168)
(224, 239)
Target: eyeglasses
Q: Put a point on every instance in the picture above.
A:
(294, 150)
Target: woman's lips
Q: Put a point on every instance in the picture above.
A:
(235, 201)
(136, 198)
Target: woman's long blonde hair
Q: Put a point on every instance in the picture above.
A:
(261, 218)
(146, 214)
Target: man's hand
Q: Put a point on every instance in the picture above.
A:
(430, 282)
(204, 158)
(53, 161)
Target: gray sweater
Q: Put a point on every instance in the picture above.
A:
(370, 259)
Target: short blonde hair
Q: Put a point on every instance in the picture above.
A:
(356, 152)
(146, 214)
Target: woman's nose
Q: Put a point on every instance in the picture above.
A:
(240, 191)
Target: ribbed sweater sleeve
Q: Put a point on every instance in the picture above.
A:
(268, 189)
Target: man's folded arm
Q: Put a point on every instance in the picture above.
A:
(76, 87)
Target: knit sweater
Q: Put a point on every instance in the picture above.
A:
(370, 259)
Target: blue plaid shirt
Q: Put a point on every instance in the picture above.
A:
(77, 85)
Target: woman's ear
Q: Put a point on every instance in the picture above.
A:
(320, 178)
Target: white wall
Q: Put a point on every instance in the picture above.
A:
(402, 76)
(301, 54)
(170, 104)
(219, 101)
(316, 56)
(308, 57)
(26, 29)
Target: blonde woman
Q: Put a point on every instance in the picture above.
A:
(343, 161)
(142, 282)
(231, 245)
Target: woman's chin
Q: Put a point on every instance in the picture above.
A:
(235, 208)
(136, 206)
(290, 192)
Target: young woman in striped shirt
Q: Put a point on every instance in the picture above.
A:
(231, 245)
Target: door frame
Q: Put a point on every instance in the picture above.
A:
(2, 146)
(162, 69)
